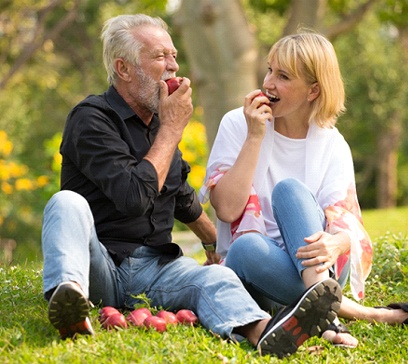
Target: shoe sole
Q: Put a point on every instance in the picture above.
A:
(315, 310)
(68, 311)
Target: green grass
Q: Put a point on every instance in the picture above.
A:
(27, 337)
(380, 222)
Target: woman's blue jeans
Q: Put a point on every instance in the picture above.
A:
(72, 252)
(267, 270)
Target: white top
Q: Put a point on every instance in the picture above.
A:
(322, 161)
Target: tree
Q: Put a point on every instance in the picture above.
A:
(222, 54)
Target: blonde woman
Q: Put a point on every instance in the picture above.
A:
(281, 179)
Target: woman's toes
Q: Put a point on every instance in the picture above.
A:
(340, 339)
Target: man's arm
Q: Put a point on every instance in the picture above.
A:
(174, 114)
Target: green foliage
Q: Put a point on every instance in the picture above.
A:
(395, 11)
(26, 336)
(373, 75)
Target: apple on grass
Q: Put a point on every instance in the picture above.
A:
(107, 311)
(187, 317)
(117, 320)
(156, 323)
(137, 317)
(169, 317)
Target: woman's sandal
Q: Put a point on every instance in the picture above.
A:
(340, 328)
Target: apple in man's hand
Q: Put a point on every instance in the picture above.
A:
(173, 84)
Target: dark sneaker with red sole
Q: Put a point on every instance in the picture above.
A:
(307, 317)
(68, 311)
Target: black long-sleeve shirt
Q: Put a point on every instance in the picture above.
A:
(103, 146)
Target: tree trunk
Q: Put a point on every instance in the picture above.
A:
(387, 181)
(304, 14)
(222, 54)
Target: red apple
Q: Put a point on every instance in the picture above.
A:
(173, 84)
(169, 317)
(107, 311)
(262, 94)
(187, 317)
(136, 317)
(117, 320)
(155, 322)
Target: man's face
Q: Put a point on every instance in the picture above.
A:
(157, 62)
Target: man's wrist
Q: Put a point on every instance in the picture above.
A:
(210, 247)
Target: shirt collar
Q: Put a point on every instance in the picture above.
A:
(118, 104)
(122, 108)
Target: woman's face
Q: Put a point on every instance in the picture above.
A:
(291, 97)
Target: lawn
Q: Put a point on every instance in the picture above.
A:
(27, 337)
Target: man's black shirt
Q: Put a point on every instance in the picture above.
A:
(103, 146)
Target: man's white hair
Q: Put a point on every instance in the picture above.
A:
(119, 42)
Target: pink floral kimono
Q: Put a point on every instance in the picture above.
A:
(329, 174)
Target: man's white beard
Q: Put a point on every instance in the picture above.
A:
(150, 93)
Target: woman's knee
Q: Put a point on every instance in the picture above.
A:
(245, 250)
(289, 187)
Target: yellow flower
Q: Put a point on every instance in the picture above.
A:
(24, 184)
(17, 170)
(42, 181)
(6, 146)
(6, 188)
(196, 176)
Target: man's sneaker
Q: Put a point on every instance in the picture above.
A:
(307, 317)
(68, 311)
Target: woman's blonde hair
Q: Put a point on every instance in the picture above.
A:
(119, 41)
(312, 56)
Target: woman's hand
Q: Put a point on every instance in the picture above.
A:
(257, 113)
(323, 249)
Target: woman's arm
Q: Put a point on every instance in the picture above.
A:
(230, 195)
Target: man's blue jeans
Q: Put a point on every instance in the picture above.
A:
(72, 252)
(266, 269)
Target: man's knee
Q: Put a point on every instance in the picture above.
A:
(67, 200)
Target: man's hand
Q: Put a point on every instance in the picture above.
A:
(174, 113)
(175, 110)
(212, 258)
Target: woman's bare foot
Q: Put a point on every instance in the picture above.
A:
(339, 335)
(390, 316)
(340, 339)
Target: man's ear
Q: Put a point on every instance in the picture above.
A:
(122, 69)
(314, 92)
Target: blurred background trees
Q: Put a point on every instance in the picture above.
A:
(50, 53)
